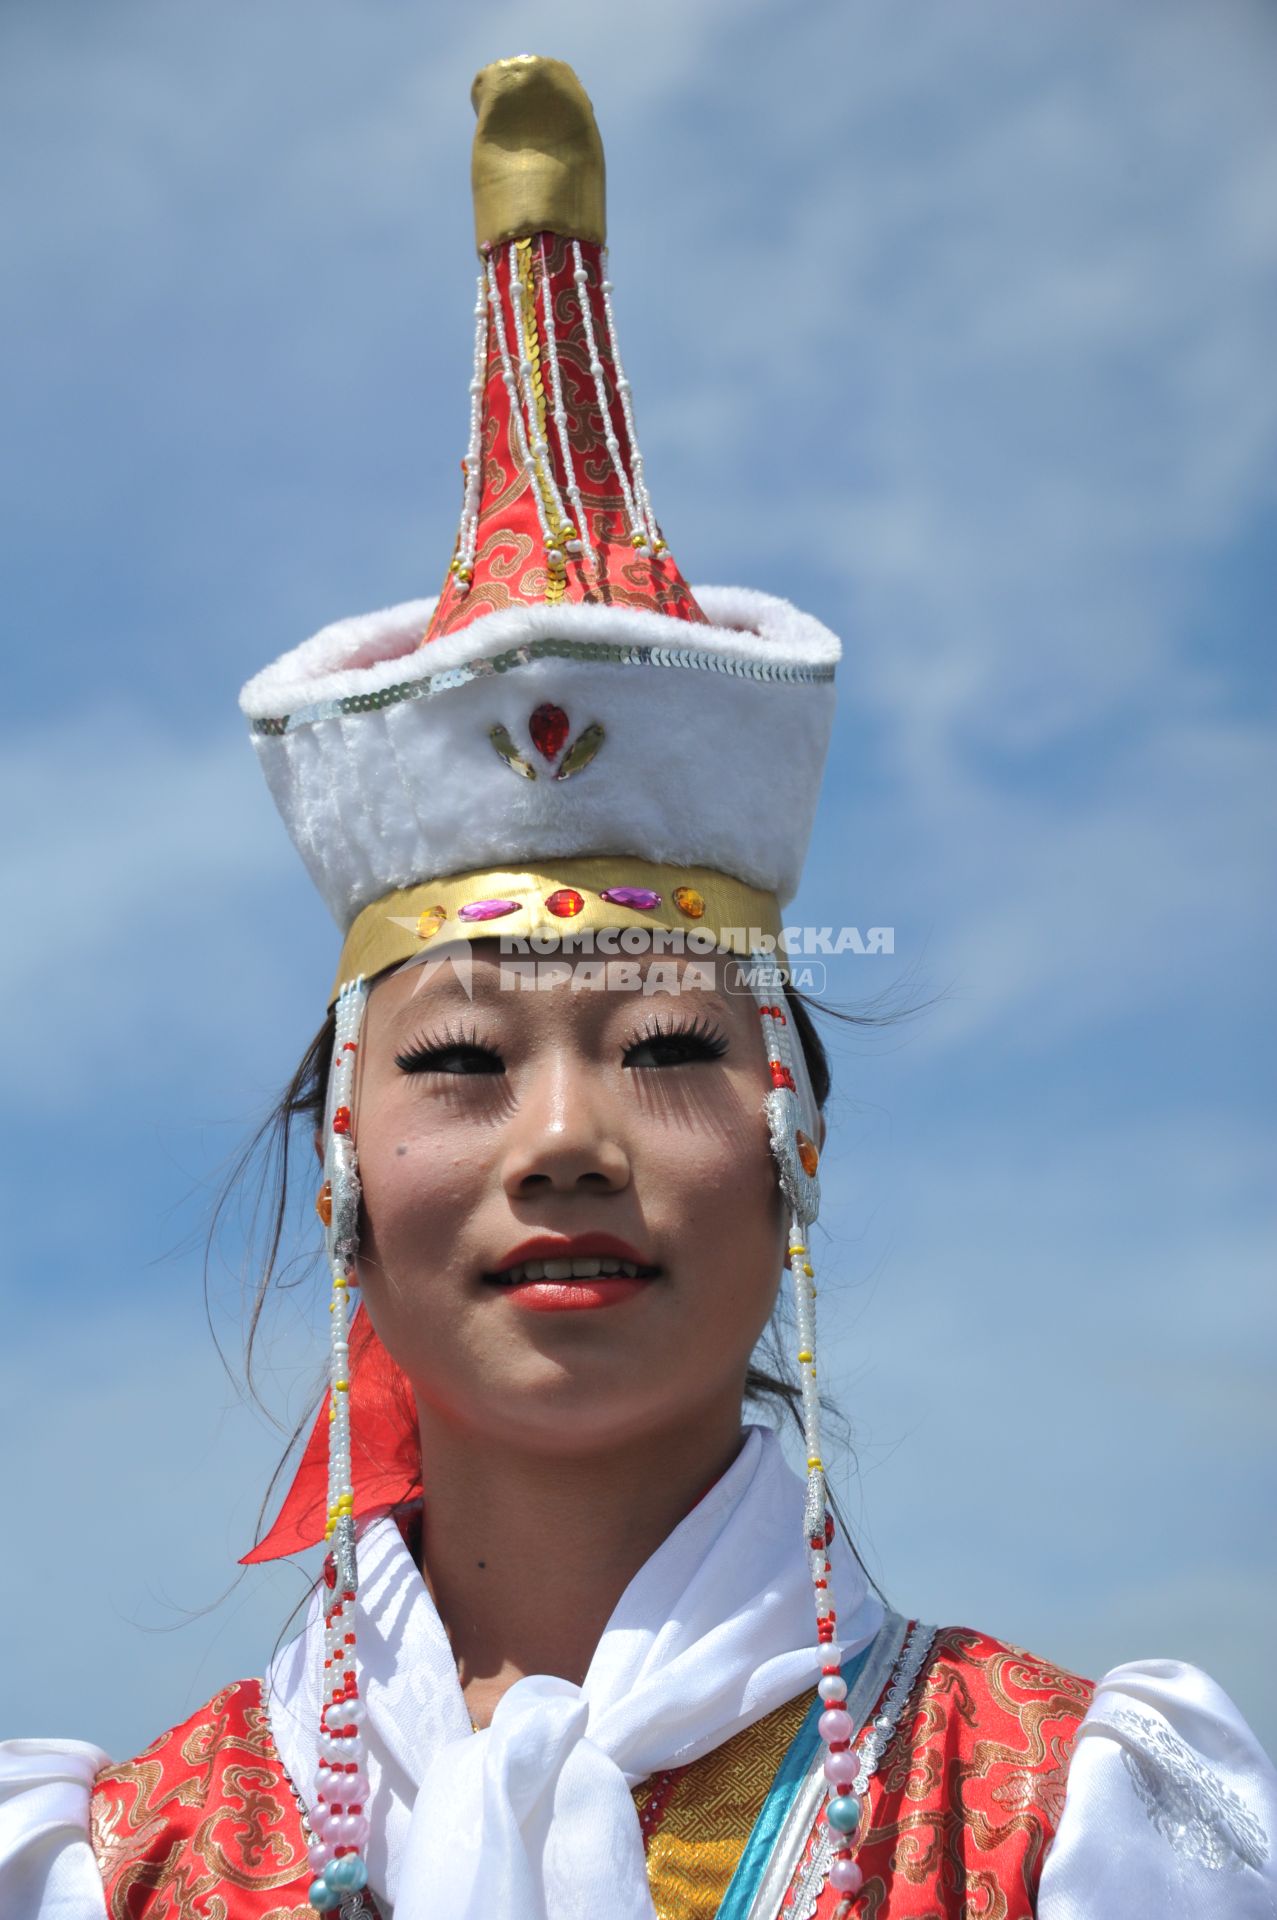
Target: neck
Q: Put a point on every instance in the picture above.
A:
(526, 1555)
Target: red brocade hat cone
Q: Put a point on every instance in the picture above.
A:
(556, 505)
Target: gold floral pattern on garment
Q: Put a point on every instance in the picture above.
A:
(970, 1789)
(204, 1825)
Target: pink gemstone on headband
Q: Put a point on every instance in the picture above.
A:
(549, 729)
(641, 898)
(487, 909)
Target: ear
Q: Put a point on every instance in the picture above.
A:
(820, 1137)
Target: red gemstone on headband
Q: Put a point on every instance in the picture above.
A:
(566, 902)
(549, 729)
(341, 1120)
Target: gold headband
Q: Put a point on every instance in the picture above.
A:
(560, 897)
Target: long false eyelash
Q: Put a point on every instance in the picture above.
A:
(700, 1029)
(448, 1039)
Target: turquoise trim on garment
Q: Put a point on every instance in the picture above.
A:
(790, 1774)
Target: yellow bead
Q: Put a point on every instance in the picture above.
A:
(342, 1386)
(809, 1271)
(816, 1461)
(804, 1359)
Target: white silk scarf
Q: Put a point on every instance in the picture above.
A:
(533, 1817)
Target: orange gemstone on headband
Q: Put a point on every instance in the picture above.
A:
(807, 1153)
(688, 901)
(430, 922)
(566, 902)
(324, 1203)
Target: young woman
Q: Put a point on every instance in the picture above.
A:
(585, 1643)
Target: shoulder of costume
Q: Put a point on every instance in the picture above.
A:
(208, 1801)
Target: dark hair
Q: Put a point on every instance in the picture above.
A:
(290, 1126)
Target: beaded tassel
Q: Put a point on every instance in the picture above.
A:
(340, 1825)
(791, 1107)
(641, 496)
(637, 527)
(578, 541)
(468, 533)
(542, 469)
(522, 444)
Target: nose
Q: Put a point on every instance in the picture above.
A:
(563, 1137)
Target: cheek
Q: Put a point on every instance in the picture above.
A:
(418, 1186)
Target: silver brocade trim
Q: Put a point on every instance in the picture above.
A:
(810, 1883)
(608, 655)
(1199, 1818)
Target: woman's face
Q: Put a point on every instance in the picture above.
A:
(500, 1126)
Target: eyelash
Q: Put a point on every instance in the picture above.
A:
(708, 1042)
(424, 1057)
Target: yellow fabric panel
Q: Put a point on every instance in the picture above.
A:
(702, 1818)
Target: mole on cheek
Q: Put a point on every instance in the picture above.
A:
(401, 1149)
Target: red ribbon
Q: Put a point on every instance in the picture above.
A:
(385, 1451)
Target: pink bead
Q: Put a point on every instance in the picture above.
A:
(835, 1726)
(841, 1769)
(845, 1877)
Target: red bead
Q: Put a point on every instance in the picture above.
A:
(341, 1120)
(549, 729)
(350, 1046)
(781, 1076)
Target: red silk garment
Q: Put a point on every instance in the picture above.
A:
(970, 1790)
(962, 1809)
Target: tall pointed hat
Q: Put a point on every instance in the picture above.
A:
(568, 736)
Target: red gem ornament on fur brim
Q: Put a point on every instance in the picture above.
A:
(385, 1451)
(556, 509)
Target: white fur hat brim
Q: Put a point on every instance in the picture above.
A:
(379, 751)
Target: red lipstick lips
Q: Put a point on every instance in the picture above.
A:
(554, 1273)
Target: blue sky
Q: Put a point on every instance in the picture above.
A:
(954, 325)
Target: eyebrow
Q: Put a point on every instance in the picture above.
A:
(487, 986)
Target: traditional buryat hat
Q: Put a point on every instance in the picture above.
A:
(567, 738)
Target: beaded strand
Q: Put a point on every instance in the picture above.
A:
(790, 1102)
(522, 446)
(631, 432)
(578, 542)
(542, 469)
(637, 528)
(340, 1825)
(462, 568)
